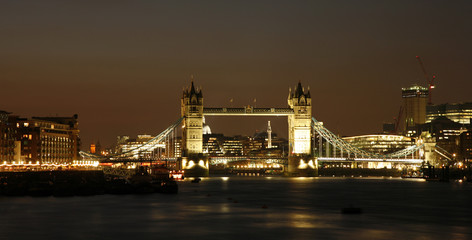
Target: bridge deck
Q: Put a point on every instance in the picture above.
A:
(393, 160)
(244, 111)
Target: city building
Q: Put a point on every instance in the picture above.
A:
(466, 146)
(213, 144)
(257, 145)
(380, 143)
(178, 147)
(141, 147)
(443, 137)
(388, 128)
(253, 145)
(445, 133)
(125, 144)
(96, 148)
(220, 145)
(457, 112)
(49, 140)
(233, 146)
(9, 144)
(415, 99)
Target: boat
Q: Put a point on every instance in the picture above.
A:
(196, 180)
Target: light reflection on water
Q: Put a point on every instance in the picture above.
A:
(253, 207)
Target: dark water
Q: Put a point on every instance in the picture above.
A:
(231, 208)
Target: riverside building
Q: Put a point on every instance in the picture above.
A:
(38, 141)
(380, 143)
(49, 140)
(9, 145)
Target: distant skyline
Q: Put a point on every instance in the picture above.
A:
(121, 65)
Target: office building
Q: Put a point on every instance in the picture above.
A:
(457, 112)
(414, 103)
(51, 140)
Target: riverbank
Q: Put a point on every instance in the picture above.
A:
(65, 183)
(444, 173)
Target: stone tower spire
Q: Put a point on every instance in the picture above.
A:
(192, 112)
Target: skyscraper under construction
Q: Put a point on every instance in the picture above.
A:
(415, 99)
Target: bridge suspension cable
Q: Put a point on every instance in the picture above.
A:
(152, 143)
(343, 146)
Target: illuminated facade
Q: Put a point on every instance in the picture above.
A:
(137, 148)
(381, 143)
(192, 129)
(213, 144)
(217, 145)
(457, 112)
(466, 146)
(253, 145)
(193, 161)
(233, 146)
(300, 122)
(127, 144)
(300, 161)
(220, 145)
(49, 140)
(415, 99)
(178, 147)
(96, 148)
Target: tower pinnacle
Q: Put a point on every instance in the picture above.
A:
(269, 135)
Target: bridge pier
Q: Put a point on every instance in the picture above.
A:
(302, 165)
(195, 166)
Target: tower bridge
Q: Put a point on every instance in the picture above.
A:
(310, 143)
(299, 126)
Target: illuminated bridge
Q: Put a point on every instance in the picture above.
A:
(310, 142)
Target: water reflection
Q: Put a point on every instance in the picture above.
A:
(298, 220)
(254, 207)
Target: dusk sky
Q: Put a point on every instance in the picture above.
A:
(121, 65)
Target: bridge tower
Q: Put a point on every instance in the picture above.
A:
(194, 163)
(301, 161)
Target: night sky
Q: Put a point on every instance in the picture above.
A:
(121, 65)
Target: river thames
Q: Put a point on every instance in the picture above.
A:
(252, 208)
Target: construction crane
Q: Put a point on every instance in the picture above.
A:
(428, 80)
(397, 119)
